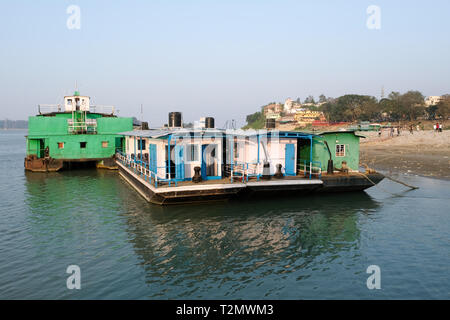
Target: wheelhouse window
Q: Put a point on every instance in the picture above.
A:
(104, 144)
(340, 150)
(60, 145)
(83, 145)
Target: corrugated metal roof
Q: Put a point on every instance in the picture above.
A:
(161, 133)
(342, 131)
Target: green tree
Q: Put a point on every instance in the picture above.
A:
(443, 107)
(413, 104)
(351, 107)
(309, 99)
(255, 121)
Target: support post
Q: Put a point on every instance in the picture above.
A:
(140, 146)
(232, 159)
(168, 156)
(134, 154)
(310, 156)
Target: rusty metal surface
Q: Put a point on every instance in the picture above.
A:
(34, 164)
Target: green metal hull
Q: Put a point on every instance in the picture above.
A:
(51, 144)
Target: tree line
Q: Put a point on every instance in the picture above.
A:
(409, 106)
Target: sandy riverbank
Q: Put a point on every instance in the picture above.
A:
(425, 153)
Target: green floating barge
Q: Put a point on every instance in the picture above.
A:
(77, 132)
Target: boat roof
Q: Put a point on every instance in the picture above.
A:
(342, 131)
(165, 132)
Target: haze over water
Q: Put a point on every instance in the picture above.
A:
(292, 248)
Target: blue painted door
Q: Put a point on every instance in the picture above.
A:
(152, 160)
(179, 162)
(290, 159)
(203, 162)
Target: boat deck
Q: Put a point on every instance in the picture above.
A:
(224, 189)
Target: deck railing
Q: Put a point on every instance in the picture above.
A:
(52, 108)
(241, 171)
(310, 168)
(89, 126)
(143, 169)
(102, 109)
(49, 108)
(245, 170)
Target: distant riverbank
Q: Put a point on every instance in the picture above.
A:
(425, 153)
(13, 124)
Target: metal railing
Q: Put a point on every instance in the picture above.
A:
(49, 108)
(89, 126)
(306, 167)
(143, 169)
(244, 170)
(102, 109)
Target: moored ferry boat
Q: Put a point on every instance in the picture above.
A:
(76, 132)
(179, 165)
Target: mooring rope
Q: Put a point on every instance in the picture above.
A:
(390, 178)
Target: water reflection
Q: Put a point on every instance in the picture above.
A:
(186, 248)
(72, 210)
(191, 251)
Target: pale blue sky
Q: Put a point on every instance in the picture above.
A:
(217, 58)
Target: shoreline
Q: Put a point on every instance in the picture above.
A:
(424, 153)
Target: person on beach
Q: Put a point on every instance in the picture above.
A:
(411, 129)
(434, 127)
(392, 132)
(437, 127)
(398, 131)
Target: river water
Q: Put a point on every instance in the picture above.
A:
(315, 247)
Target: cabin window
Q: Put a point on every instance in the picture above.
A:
(141, 144)
(104, 144)
(83, 145)
(60, 145)
(340, 150)
(192, 152)
(236, 149)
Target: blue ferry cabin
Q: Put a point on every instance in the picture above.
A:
(170, 155)
(180, 165)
